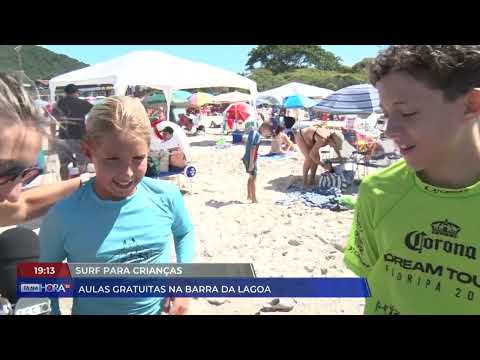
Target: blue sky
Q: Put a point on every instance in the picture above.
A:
(230, 57)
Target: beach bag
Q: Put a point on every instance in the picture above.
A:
(340, 181)
(157, 162)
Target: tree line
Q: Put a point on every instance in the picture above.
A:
(275, 65)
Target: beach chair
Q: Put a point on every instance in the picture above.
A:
(366, 147)
(189, 172)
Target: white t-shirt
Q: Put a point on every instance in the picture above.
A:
(178, 140)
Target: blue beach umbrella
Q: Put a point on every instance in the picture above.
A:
(355, 99)
(181, 96)
(298, 101)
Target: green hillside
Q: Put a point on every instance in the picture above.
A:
(37, 62)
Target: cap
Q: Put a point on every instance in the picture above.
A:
(71, 89)
(140, 91)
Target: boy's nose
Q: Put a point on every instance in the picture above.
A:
(392, 128)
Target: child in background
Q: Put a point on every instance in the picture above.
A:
(250, 157)
(119, 216)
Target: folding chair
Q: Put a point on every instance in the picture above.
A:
(189, 172)
(365, 148)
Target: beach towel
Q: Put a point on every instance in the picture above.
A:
(316, 198)
(348, 201)
(273, 156)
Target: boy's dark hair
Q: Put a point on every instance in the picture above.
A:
(454, 69)
(168, 129)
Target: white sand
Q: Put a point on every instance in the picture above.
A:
(231, 229)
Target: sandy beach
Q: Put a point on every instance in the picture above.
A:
(288, 241)
(279, 240)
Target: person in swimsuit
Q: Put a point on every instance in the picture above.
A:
(281, 144)
(310, 140)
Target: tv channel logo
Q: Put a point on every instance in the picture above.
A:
(38, 288)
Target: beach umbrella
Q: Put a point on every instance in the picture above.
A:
(239, 111)
(178, 96)
(355, 99)
(154, 99)
(232, 97)
(298, 101)
(295, 88)
(200, 98)
(266, 100)
(181, 95)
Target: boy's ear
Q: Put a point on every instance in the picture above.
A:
(473, 104)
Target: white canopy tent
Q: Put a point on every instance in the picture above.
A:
(154, 69)
(294, 88)
(232, 97)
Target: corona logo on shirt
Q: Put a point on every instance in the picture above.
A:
(445, 228)
(420, 241)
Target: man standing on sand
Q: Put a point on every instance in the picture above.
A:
(70, 112)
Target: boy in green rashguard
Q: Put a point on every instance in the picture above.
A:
(416, 231)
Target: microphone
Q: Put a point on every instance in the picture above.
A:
(17, 245)
(32, 306)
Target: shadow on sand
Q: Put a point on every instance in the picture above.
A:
(204, 143)
(282, 184)
(218, 204)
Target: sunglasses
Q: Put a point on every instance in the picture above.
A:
(20, 173)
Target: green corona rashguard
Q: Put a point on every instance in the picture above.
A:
(417, 245)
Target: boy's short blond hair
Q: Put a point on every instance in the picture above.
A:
(121, 114)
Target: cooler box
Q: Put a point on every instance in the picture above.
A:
(237, 137)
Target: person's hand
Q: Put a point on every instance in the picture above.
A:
(328, 166)
(176, 306)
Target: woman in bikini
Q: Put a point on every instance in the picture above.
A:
(310, 140)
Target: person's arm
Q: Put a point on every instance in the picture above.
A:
(253, 154)
(52, 248)
(35, 202)
(184, 237)
(287, 141)
(362, 252)
(315, 156)
(182, 229)
(339, 155)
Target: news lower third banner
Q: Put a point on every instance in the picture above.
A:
(173, 280)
